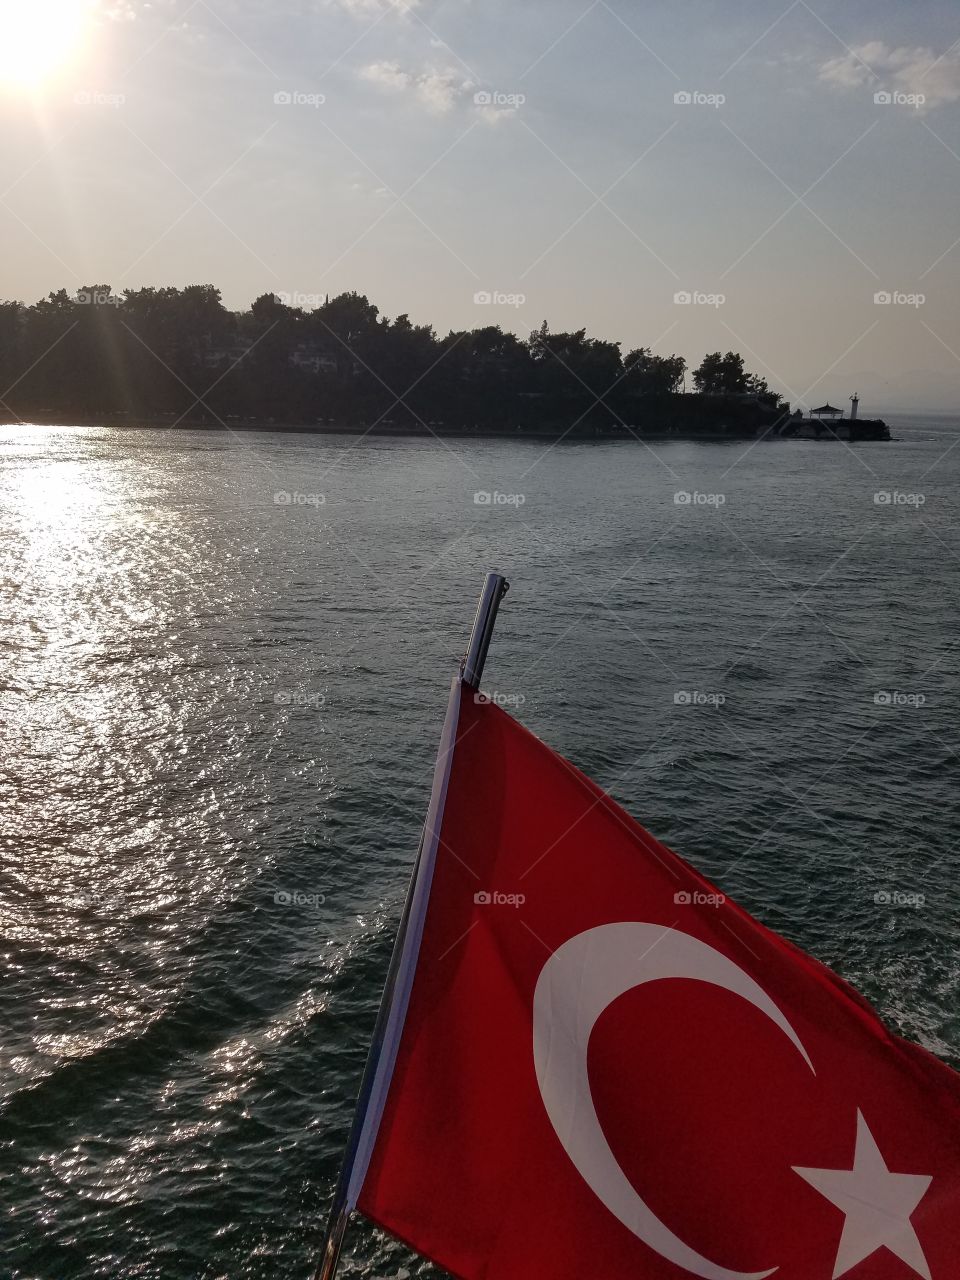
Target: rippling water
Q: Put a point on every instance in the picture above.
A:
(211, 698)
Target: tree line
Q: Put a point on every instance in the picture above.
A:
(158, 353)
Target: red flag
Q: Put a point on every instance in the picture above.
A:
(609, 1070)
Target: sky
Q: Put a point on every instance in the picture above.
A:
(781, 179)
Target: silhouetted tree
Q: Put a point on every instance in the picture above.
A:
(650, 375)
(171, 354)
(721, 375)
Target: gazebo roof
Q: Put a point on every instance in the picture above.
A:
(826, 408)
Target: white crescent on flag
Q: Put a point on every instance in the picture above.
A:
(599, 966)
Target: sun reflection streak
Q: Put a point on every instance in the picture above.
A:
(56, 494)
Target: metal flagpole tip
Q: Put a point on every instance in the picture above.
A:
(495, 587)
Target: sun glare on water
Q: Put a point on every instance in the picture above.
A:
(39, 37)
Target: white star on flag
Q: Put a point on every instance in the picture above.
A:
(878, 1205)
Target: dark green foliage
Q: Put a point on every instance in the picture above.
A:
(177, 354)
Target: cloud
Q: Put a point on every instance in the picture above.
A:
(495, 115)
(437, 90)
(440, 90)
(902, 70)
(387, 75)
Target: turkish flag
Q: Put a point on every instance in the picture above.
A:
(607, 1069)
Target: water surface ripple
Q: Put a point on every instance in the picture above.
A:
(211, 697)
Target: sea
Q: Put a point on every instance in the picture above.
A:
(224, 666)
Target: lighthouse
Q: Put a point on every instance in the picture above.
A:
(854, 406)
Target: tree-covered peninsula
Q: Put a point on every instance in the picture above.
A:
(168, 356)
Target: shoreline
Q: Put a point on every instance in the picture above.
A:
(382, 431)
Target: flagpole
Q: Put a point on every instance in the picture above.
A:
(495, 587)
(400, 973)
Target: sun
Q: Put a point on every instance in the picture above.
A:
(39, 37)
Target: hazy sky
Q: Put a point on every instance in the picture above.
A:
(315, 146)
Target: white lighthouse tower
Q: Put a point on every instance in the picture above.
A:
(854, 406)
